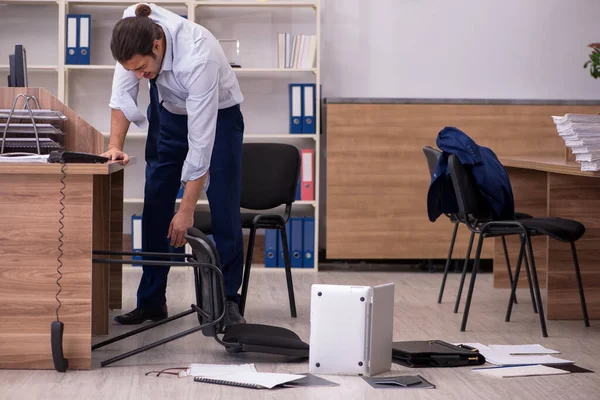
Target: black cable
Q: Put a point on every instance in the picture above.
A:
(60, 235)
(61, 364)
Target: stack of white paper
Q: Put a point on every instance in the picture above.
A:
(581, 133)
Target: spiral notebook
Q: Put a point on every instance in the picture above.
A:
(249, 379)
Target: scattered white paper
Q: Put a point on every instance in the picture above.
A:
(501, 354)
(502, 358)
(265, 379)
(528, 370)
(212, 370)
(523, 349)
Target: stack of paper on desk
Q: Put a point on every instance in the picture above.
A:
(581, 133)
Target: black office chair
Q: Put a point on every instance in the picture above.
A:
(210, 307)
(470, 206)
(432, 155)
(270, 174)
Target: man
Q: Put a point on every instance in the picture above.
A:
(195, 138)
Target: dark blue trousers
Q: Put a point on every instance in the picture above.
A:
(166, 150)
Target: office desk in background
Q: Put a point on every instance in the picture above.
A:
(556, 187)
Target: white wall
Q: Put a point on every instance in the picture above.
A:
(459, 49)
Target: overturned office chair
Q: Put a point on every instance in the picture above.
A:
(270, 174)
(432, 155)
(470, 204)
(210, 307)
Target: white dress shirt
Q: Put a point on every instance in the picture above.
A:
(195, 80)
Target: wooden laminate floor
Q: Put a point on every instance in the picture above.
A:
(417, 317)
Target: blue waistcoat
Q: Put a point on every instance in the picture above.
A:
(489, 175)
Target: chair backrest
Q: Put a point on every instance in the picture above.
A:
(468, 197)
(211, 296)
(270, 174)
(432, 156)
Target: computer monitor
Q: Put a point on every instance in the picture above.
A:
(18, 67)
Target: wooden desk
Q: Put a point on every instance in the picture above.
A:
(30, 210)
(551, 186)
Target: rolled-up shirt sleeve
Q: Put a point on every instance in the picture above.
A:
(125, 87)
(202, 106)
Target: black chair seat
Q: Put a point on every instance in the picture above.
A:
(202, 221)
(563, 230)
(264, 339)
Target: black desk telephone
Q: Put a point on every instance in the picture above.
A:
(60, 156)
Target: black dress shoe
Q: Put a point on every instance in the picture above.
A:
(140, 315)
(233, 316)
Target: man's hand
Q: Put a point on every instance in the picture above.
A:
(184, 218)
(116, 154)
(179, 226)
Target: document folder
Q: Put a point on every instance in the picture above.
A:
(296, 238)
(136, 236)
(295, 108)
(308, 112)
(84, 39)
(271, 246)
(307, 191)
(72, 55)
(78, 39)
(308, 259)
